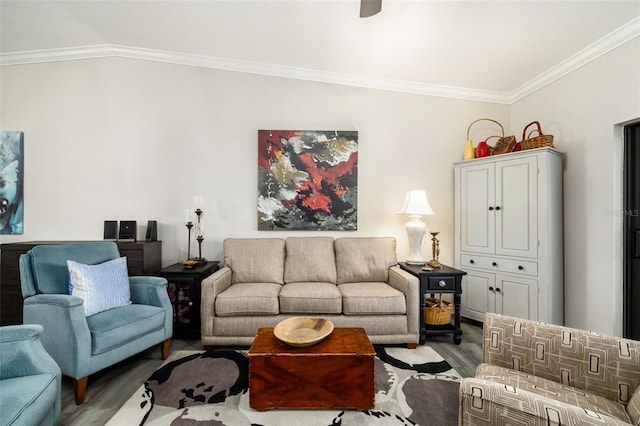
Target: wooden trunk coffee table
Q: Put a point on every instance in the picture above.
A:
(338, 372)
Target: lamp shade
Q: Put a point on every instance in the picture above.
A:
(416, 203)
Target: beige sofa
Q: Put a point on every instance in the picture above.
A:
(541, 374)
(353, 282)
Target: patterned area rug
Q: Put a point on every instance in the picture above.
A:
(413, 387)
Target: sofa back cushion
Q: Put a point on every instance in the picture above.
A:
(255, 260)
(310, 259)
(364, 259)
(49, 273)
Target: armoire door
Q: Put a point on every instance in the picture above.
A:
(516, 297)
(477, 214)
(516, 209)
(477, 298)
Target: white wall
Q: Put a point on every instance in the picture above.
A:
(582, 110)
(127, 139)
(134, 140)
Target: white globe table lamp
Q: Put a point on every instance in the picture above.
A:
(416, 205)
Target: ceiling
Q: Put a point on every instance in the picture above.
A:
(497, 48)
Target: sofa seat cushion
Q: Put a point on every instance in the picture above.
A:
(310, 298)
(115, 327)
(553, 390)
(27, 400)
(310, 259)
(371, 298)
(249, 299)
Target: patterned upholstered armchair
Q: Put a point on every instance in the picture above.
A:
(542, 374)
(108, 316)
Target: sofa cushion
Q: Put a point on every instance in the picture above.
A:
(49, 262)
(101, 287)
(364, 259)
(27, 400)
(249, 299)
(310, 259)
(310, 298)
(552, 389)
(371, 298)
(113, 328)
(255, 260)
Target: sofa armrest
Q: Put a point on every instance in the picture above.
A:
(483, 402)
(600, 364)
(409, 285)
(210, 287)
(22, 353)
(149, 291)
(66, 335)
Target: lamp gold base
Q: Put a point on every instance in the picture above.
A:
(434, 263)
(435, 245)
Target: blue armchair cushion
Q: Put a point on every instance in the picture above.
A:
(25, 400)
(115, 327)
(101, 287)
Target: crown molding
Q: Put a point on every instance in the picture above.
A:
(111, 50)
(616, 38)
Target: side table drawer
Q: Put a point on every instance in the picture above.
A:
(442, 283)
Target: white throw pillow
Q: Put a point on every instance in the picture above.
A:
(101, 287)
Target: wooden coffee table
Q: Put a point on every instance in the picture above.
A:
(338, 372)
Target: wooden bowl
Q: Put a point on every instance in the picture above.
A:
(302, 331)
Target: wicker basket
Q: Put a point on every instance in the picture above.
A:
(539, 141)
(437, 312)
(504, 145)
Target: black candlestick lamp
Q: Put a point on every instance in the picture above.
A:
(189, 225)
(199, 237)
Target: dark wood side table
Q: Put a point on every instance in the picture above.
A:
(184, 292)
(441, 280)
(143, 258)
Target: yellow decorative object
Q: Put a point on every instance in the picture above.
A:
(469, 151)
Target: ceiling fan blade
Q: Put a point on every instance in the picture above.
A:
(370, 7)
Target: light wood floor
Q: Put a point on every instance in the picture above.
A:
(109, 389)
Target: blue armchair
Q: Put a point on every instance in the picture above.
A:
(29, 378)
(80, 344)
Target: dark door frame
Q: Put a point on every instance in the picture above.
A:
(631, 231)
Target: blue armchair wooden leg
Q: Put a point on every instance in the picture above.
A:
(80, 389)
(164, 348)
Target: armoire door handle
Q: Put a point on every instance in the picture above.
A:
(636, 243)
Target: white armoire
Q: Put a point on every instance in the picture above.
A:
(508, 235)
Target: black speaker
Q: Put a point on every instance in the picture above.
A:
(110, 230)
(127, 230)
(152, 230)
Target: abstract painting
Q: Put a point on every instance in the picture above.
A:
(307, 180)
(11, 182)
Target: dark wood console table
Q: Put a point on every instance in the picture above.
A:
(441, 280)
(143, 258)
